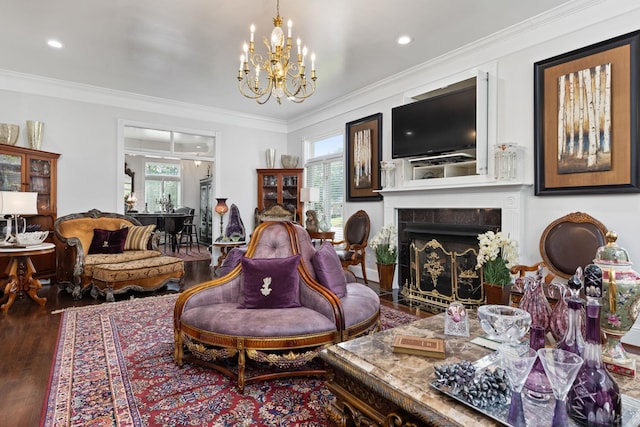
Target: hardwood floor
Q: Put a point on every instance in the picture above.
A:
(28, 336)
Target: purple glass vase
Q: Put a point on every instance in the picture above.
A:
(594, 399)
(537, 385)
(535, 301)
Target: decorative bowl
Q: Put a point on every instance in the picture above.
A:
(31, 239)
(9, 133)
(503, 323)
(289, 162)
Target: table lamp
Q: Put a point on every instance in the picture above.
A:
(221, 209)
(17, 203)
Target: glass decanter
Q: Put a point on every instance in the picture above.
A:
(594, 399)
(573, 340)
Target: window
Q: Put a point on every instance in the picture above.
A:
(325, 170)
(161, 184)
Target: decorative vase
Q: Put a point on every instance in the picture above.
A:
(594, 399)
(535, 301)
(270, 155)
(497, 294)
(385, 275)
(35, 130)
(620, 298)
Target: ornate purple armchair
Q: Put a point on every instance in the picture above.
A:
(282, 303)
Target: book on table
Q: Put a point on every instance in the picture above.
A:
(430, 347)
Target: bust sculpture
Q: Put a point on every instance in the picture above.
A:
(312, 221)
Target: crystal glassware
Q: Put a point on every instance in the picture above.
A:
(561, 367)
(517, 361)
(594, 399)
(573, 340)
(535, 301)
(537, 384)
(503, 323)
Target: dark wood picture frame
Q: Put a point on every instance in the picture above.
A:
(614, 170)
(363, 154)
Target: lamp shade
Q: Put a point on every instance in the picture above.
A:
(18, 203)
(310, 194)
(221, 208)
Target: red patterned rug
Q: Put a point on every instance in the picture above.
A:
(114, 367)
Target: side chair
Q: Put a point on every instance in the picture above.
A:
(356, 238)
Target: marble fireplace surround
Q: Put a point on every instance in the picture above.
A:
(467, 202)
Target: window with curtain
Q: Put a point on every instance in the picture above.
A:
(161, 180)
(325, 170)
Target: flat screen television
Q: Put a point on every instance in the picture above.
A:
(441, 124)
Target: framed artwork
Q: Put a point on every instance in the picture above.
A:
(364, 152)
(586, 119)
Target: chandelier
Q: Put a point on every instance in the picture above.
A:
(276, 74)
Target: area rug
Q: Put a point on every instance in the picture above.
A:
(114, 367)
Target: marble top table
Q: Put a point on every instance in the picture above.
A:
(367, 375)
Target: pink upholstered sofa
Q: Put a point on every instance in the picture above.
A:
(227, 317)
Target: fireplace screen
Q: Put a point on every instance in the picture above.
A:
(440, 275)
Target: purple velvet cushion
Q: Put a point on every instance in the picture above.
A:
(233, 258)
(329, 269)
(270, 282)
(108, 241)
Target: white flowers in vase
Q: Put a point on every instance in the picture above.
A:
(497, 254)
(385, 243)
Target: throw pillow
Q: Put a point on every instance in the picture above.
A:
(329, 270)
(270, 283)
(138, 237)
(108, 241)
(233, 258)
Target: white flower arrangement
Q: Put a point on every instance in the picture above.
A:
(385, 243)
(497, 254)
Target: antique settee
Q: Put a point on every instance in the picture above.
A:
(314, 303)
(110, 253)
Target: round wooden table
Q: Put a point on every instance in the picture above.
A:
(322, 235)
(20, 273)
(225, 247)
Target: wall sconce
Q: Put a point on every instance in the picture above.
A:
(221, 209)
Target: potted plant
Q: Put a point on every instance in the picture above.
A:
(385, 244)
(497, 254)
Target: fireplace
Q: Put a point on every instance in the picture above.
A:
(437, 255)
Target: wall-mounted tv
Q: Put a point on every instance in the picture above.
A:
(440, 124)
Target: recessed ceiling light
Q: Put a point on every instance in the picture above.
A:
(404, 40)
(54, 43)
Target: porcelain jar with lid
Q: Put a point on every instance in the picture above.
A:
(620, 297)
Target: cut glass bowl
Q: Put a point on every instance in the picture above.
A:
(503, 323)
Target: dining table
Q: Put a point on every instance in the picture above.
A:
(169, 222)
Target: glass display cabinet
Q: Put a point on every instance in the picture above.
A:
(280, 186)
(26, 169)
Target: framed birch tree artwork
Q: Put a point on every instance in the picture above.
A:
(586, 119)
(363, 154)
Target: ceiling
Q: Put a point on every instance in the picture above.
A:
(189, 50)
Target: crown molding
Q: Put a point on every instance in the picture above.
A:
(43, 86)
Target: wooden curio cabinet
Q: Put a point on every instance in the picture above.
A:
(25, 169)
(280, 186)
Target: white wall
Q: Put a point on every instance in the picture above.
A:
(511, 55)
(91, 165)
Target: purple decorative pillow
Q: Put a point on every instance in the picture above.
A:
(329, 270)
(108, 241)
(230, 262)
(270, 282)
